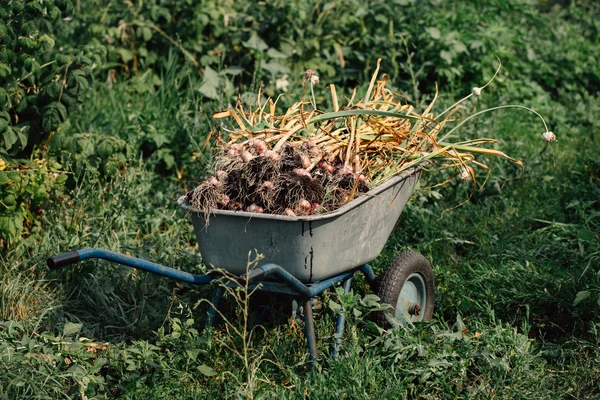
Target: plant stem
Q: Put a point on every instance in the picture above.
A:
(347, 113)
(493, 109)
(471, 94)
(312, 94)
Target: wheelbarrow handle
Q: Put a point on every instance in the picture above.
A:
(74, 257)
(257, 274)
(62, 260)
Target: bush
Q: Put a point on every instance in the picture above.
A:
(24, 187)
(421, 42)
(40, 84)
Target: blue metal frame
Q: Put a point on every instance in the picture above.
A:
(255, 279)
(144, 265)
(339, 326)
(214, 304)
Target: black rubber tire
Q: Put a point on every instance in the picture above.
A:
(389, 286)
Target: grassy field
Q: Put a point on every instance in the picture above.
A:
(517, 267)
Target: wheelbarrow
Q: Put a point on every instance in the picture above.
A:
(304, 255)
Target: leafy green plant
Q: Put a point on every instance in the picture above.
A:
(141, 37)
(240, 339)
(25, 186)
(39, 84)
(66, 363)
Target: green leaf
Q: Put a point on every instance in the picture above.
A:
(335, 307)
(71, 329)
(193, 353)
(126, 55)
(255, 43)
(446, 56)
(166, 156)
(434, 32)
(55, 14)
(83, 60)
(27, 42)
(3, 100)
(586, 235)
(4, 120)
(210, 84)
(206, 370)
(4, 70)
(48, 40)
(234, 70)
(23, 134)
(54, 114)
(14, 329)
(14, 176)
(15, 226)
(581, 296)
(53, 90)
(159, 139)
(275, 68)
(85, 145)
(32, 66)
(439, 363)
(34, 6)
(146, 33)
(20, 103)
(61, 179)
(459, 47)
(81, 82)
(476, 44)
(460, 325)
(10, 200)
(105, 149)
(370, 300)
(10, 138)
(274, 53)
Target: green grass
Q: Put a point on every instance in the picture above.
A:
(508, 264)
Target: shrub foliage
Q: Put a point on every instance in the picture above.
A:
(40, 82)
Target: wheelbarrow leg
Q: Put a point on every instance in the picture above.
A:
(214, 306)
(369, 275)
(339, 326)
(310, 331)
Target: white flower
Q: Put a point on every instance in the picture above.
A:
(282, 83)
(309, 75)
(465, 175)
(549, 137)
(476, 91)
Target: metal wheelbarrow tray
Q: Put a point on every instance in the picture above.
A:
(311, 248)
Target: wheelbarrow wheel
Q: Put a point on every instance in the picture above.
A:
(409, 287)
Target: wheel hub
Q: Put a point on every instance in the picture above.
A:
(414, 309)
(412, 299)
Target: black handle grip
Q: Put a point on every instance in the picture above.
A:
(62, 260)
